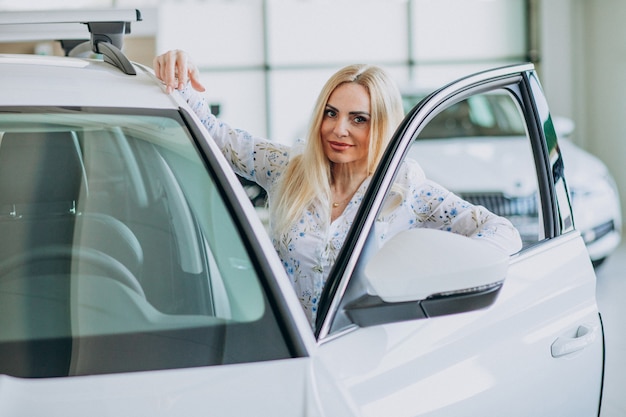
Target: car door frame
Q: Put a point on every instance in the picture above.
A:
(382, 179)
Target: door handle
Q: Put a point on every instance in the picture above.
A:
(585, 335)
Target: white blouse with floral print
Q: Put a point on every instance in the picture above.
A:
(310, 248)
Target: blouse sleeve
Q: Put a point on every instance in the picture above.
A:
(428, 204)
(256, 159)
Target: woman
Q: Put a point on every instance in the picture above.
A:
(314, 195)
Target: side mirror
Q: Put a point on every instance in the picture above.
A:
(424, 273)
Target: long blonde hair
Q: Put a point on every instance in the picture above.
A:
(307, 178)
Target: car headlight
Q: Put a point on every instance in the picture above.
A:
(596, 207)
(604, 188)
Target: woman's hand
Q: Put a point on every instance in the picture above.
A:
(175, 69)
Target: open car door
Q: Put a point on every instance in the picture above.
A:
(430, 324)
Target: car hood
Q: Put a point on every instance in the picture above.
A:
(494, 164)
(292, 387)
(501, 164)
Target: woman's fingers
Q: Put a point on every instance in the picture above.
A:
(165, 70)
(175, 69)
(195, 80)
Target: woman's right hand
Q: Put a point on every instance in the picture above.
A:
(175, 69)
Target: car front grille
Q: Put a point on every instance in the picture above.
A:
(503, 205)
(521, 211)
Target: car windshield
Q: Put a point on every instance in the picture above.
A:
(118, 252)
(487, 115)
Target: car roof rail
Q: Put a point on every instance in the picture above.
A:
(107, 28)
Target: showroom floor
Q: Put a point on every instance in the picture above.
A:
(611, 290)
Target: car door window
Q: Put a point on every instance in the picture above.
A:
(479, 149)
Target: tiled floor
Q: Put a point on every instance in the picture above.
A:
(611, 293)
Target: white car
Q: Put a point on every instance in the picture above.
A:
(137, 280)
(475, 148)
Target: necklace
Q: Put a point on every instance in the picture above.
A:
(336, 204)
(344, 201)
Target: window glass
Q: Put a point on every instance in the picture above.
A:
(490, 115)
(118, 252)
(479, 149)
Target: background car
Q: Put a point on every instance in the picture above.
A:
(137, 279)
(487, 132)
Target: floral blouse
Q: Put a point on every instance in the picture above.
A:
(310, 248)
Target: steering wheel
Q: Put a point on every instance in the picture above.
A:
(111, 267)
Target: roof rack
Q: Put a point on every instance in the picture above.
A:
(107, 29)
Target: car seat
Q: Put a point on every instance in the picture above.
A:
(42, 179)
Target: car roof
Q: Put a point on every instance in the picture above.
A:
(32, 80)
(95, 71)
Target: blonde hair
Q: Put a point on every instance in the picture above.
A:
(307, 179)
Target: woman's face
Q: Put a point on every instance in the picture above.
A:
(345, 129)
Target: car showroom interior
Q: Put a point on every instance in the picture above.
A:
(262, 64)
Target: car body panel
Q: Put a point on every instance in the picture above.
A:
(276, 388)
(595, 201)
(458, 365)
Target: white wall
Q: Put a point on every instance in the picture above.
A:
(584, 75)
(557, 55)
(602, 101)
(265, 61)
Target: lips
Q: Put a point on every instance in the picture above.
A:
(339, 146)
